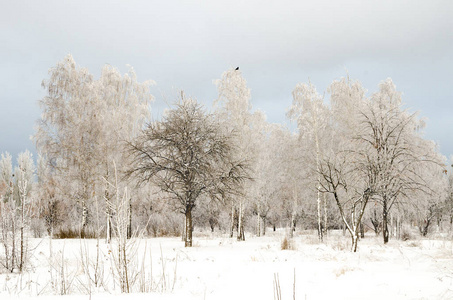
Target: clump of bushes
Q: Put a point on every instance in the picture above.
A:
(287, 244)
(405, 235)
(70, 233)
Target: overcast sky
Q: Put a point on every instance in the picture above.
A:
(187, 44)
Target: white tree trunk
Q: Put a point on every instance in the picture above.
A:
(319, 175)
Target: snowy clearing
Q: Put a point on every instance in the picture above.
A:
(218, 267)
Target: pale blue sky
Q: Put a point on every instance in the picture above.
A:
(187, 44)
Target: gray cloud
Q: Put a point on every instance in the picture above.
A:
(183, 44)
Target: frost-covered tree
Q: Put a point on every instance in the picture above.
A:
(448, 206)
(8, 214)
(428, 206)
(187, 155)
(234, 109)
(312, 117)
(397, 150)
(124, 111)
(15, 209)
(24, 177)
(6, 177)
(68, 132)
(83, 124)
(350, 181)
(273, 176)
(279, 173)
(50, 200)
(382, 142)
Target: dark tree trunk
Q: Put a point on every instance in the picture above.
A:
(362, 231)
(212, 224)
(189, 229)
(439, 221)
(240, 228)
(85, 214)
(385, 229)
(398, 227)
(22, 253)
(376, 223)
(234, 223)
(129, 226)
(110, 229)
(424, 228)
(355, 239)
(84, 219)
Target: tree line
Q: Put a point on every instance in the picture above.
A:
(354, 162)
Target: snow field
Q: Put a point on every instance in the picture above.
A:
(218, 267)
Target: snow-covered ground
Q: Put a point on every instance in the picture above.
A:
(218, 267)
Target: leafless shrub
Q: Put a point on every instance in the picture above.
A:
(340, 245)
(343, 270)
(413, 244)
(406, 235)
(37, 227)
(61, 277)
(72, 233)
(93, 269)
(277, 289)
(288, 244)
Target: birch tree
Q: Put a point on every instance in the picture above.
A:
(8, 213)
(387, 144)
(258, 192)
(15, 209)
(52, 206)
(82, 126)
(347, 168)
(6, 177)
(398, 151)
(312, 118)
(351, 182)
(24, 173)
(124, 111)
(234, 108)
(429, 206)
(68, 130)
(279, 171)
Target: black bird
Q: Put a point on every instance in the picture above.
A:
(236, 69)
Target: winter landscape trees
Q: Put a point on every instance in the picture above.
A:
(188, 155)
(348, 149)
(16, 209)
(83, 126)
(355, 162)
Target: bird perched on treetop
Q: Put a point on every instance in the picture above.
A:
(236, 69)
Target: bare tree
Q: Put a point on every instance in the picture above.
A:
(187, 154)
(397, 150)
(350, 179)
